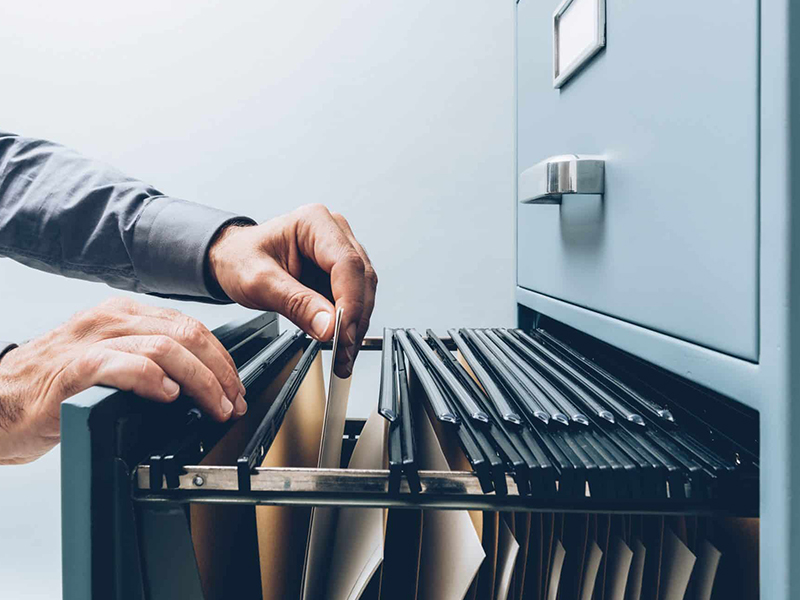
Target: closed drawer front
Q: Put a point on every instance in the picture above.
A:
(672, 106)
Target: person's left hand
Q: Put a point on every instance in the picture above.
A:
(297, 265)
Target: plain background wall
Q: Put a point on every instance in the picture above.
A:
(397, 114)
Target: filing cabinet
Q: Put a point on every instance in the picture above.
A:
(687, 256)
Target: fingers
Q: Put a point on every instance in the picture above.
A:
(370, 286)
(306, 308)
(177, 317)
(194, 377)
(125, 325)
(321, 239)
(107, 366)
(192, 335)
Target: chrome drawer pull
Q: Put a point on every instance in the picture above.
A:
(547, 181)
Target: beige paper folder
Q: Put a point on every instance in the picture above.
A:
(633, 591)
(224, 536)
(451, 552)
(556, 566)
(283, 530)
(591, 569)
(359, 534)
(705, 571)
(323, 518)
(512, 526)
(677, 565)
(507, 552)
(618, 569)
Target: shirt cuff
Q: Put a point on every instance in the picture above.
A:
(6, 347)
(170, 247)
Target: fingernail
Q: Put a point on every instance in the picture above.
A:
(320, 322)
(240, 406)
(352, 329)
(227, 407)
(170, 387)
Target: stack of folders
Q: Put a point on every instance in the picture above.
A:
(622, 500)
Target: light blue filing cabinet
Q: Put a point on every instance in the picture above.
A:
(685, 255)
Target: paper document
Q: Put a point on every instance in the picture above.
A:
(620, 557)
(554, 578)
(633, 591)
(359, 537)
(677, 564)
(507, 552)
(323, 519)
(705, 570)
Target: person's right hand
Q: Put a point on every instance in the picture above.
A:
(154, 352)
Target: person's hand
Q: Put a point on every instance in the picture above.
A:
(299, 265)
(154, 352)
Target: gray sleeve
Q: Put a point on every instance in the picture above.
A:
(63, 213)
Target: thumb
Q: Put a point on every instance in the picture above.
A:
(307, 309)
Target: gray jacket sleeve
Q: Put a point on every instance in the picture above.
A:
(63, 213)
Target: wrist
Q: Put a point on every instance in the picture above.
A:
(215, 255)
(15, 420)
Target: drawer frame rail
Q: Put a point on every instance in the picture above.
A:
(456, 490)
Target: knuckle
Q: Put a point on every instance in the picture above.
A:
(354, 261)
(144, 368)
(208, 382)
(171, 313)
(161, 345)
(90, 361)
(371, 276)
(313, 210)
(119, 304)
(192, 334)
(190, 373)
(230, 380)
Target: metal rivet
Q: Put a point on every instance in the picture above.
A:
(198, 480)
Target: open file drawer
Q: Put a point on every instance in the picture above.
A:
(127, 533)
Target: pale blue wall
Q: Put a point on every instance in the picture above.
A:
(397, 114)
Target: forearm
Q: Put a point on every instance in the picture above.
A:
(64, 213)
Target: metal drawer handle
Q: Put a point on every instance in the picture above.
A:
(547, 181)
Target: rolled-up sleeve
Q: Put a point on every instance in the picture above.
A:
(64, 213)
